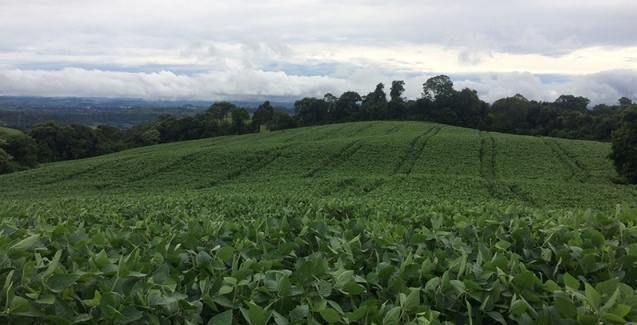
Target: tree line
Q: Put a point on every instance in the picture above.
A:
(567, 117)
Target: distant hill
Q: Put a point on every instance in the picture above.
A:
(24, 112)
(408, 160)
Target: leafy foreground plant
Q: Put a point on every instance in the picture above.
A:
(239, 260)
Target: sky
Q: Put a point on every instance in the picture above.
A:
(290, 49)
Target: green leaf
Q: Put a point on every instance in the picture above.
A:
(255, 315)
(279, 319)
(518, 307)
(19, 305)
(613, 318)
(299, 313)
(224, 318)
(130, 314)
(497, 317)
(57, 320)
(620, 310)
(330, 315)
(525, 280)
(593, 297)
(202, 258)
(59, 282)
(342, 277)
(571, 282)
(357, 314)
(225, 253)
(95, 301)
(392, 317)
(55, 262)
(24, 245)
(101, 259)
(354, 288)
(413, 300)
(565, 307)
(225, 289)
(611, 301)
(324, 288)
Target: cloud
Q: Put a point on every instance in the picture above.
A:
(202, 49)
(253, 84)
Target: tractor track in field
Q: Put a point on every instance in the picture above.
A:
(86, 171)
(251, 168)
(416, 147)
(337, 159)
(361, 129)
(328, 134)
(487, 156)
(394, 129)
(177, 163)
(577, 170)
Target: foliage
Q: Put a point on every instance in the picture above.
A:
(624, 147)
(201, 260)
(357, 223)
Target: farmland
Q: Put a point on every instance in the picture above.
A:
(360, 223)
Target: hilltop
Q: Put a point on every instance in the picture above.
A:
(377, 160)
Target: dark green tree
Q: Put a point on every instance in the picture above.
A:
(221, 110)
(7, 165)
(438, 87)
(624, 147)
(397, 89)
(23, 150)
(239, 117)
(374, 106)
(347, 107)
(281, 120)
(263, 115)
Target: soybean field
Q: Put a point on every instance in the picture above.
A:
(357, 223)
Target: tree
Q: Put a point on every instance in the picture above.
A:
(374, 105)
(281, 120)
(437, 88)
(7, 165)
(624, 148)
(397, 89)
(221, 110)
(572, 103)
(239, 116)
(624, 102)
(347, 107)
(23, 150)
(263, 115)
(311, 111)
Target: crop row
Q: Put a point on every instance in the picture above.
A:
(236, 260)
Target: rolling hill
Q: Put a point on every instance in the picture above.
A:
(358, 223)
(415, 160)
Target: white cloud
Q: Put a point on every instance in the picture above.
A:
(125, 48)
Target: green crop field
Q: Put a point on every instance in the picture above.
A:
(357, 223)
(7, 131)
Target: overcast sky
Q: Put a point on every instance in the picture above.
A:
(288, 49)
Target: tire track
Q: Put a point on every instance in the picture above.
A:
(87, 170)
(416, 147)
(333, 132)
(251, 168)
(394, 129)
(577, 170)
(486, 155)
(337, 159)
(365, 127)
